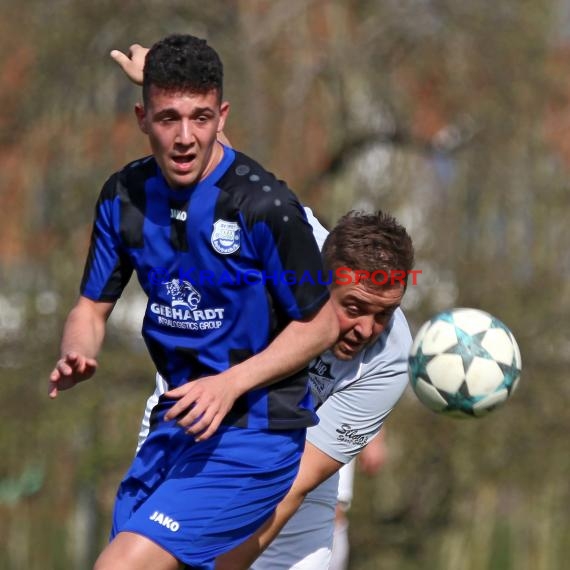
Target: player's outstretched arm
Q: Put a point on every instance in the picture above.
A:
(203, 403)
(83, 335)
(316, 466)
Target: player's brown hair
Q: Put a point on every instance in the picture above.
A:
(368, 242)
(183, 63)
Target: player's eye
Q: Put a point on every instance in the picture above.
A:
(352, 311)
(383, 316)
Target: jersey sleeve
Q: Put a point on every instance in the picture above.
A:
(353, 415)
(289, 254)
(108, 267)
(319, 231)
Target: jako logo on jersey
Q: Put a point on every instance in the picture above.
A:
(178, 215)
(162, 519)
(225, 237)
(321, 368)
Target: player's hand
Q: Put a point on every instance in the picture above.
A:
(202, 404)
(70, 370)
(133, 63)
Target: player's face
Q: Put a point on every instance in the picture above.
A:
(182, 129)
(363, 313)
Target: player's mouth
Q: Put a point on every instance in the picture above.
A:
(351, 347)
(183, 162)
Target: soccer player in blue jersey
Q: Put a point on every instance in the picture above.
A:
(357, 383)
(210, 235)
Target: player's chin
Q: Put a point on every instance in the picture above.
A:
(343, 351)
(181, 178)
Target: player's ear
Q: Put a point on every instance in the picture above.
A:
(140, 113)
(224, 112)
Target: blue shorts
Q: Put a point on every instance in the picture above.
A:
(199, 500)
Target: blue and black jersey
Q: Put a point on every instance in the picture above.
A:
(226, 265)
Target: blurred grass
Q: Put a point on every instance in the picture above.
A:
(81, 443)
(482, 505)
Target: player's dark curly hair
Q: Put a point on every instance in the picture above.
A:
(368, 242)
(183, 63)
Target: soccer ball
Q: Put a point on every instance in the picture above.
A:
(464, 362)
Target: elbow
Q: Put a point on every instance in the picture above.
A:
(298, 493)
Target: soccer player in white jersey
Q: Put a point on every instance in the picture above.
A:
(356, 383)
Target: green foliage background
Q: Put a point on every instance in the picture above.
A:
(454, 116)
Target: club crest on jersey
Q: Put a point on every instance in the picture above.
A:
(226, 237)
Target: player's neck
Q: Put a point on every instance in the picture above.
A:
(215, 159)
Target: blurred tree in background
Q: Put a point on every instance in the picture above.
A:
(454, 116)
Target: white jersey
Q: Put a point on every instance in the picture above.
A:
(161, 388)
(355, 396)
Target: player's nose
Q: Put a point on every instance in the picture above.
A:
(185, 134)
(366, 327)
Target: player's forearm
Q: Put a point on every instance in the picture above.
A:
(84, 329)
(290, 351)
